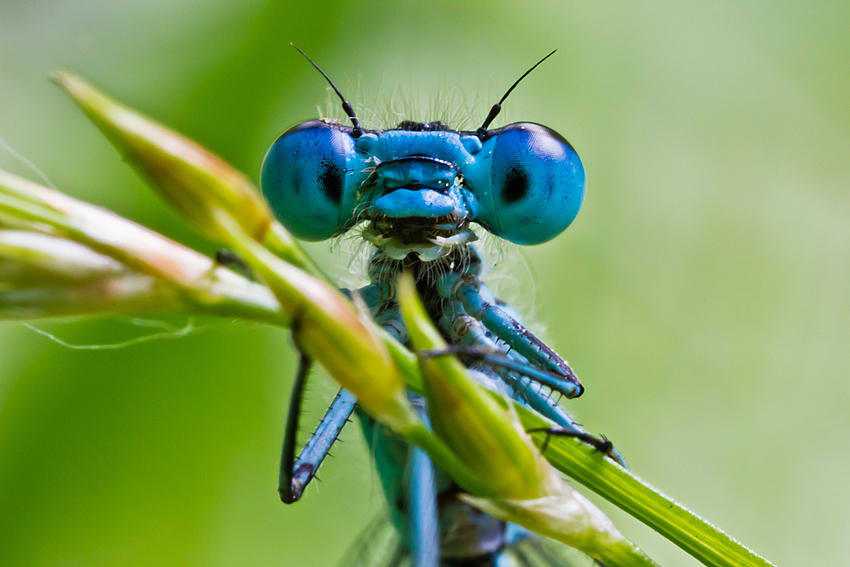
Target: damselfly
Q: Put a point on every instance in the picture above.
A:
(416, 190)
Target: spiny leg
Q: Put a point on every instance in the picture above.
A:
(468, 334)
(470, 297)
(463, 286)
(512, 331)
(296, 474)
(520, 375)
(287, 457)
(495, 358)
(528, 390)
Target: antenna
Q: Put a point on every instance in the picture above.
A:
(498, 106)
(346, 106)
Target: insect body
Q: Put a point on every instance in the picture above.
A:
(420, 189)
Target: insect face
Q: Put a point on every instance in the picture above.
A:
(421, 186)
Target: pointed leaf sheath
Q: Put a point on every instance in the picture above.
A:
(71, 240)
(570, 518)
(481, 432)
(30, 258)
(47, 276)
(190, 178)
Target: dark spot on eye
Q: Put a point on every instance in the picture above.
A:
(516, 185)
(330, 181)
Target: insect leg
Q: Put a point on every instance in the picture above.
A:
(469, 333)
(519, 375)
(296, 474)
(514, 333)
(496, 358)
(603, 445)
(477, 300)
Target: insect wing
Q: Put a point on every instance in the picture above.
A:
(537, 551)
(378, 545)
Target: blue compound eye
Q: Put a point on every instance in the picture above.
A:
(537, 184)
(304, 178)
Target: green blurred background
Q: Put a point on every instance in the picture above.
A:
(702, 294)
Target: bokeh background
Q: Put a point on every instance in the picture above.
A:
(702, 294)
